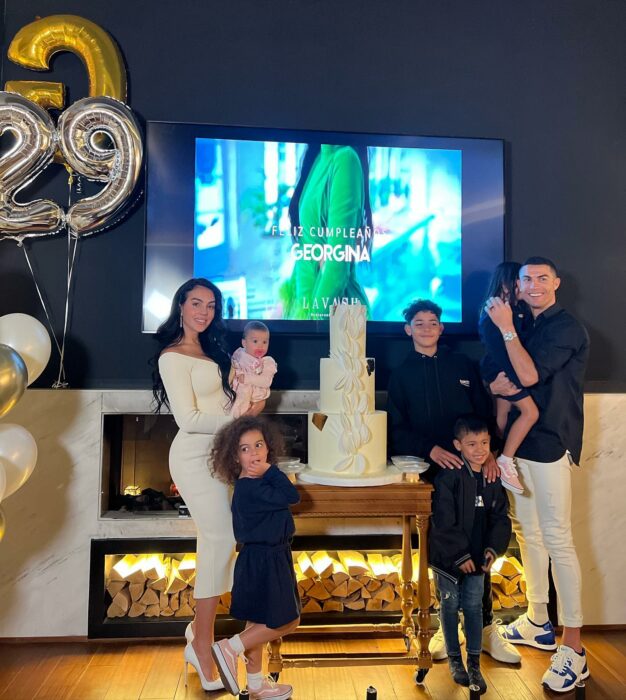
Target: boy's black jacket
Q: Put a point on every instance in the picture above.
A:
(453, 518)
(425, 397)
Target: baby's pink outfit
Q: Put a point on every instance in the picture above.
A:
(259, 373)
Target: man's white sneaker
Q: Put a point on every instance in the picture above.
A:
(524, 631)
(566, 669)
(437, 644)
(508, 474)
(497, 647)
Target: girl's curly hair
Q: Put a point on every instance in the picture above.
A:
(225, 451)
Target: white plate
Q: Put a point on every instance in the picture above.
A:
(413, 468)
(398, 460)
(292, 467)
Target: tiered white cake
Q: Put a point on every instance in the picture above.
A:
(347, 437)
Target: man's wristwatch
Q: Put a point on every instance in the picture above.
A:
(509, 335)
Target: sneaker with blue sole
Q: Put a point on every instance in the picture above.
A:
(566, 669)
(525, 631)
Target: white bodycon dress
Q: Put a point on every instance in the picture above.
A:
(198, 403)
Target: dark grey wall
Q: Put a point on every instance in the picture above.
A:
(545, 75)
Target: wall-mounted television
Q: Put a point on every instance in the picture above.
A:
(288, 222)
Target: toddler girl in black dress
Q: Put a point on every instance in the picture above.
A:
(264, 589)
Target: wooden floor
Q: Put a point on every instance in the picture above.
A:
(154, 671)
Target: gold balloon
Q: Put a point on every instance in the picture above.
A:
(35, 44)
(46, 94)
(3, 524)
(13, 378)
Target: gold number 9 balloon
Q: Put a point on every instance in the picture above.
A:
(118, 166)
(35, 141)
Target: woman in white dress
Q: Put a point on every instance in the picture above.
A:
(192, 378)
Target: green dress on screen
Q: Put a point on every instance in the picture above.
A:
(332, 201)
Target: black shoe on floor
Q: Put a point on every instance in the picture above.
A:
(473, 671)
(459, 674)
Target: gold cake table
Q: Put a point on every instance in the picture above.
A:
(406, 499)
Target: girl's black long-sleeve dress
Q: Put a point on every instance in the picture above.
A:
(264, 588)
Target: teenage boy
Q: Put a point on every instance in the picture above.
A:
(470, 528)
(552, 365)
(427, 393)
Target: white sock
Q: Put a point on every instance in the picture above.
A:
(236, 644)
(538, 613)
(255, 680)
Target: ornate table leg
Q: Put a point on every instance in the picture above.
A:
(407, 605)
(275, 660)
(423, 595)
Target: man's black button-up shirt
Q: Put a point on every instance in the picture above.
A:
(559, 347)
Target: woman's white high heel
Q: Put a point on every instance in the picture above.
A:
(189, 633)
(191, 657)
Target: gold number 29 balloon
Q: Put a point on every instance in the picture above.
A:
(34, 143)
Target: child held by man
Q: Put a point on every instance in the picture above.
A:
(264, 592)
(253, 369)
(470, 528)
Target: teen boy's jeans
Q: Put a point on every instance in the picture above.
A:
(467, 595)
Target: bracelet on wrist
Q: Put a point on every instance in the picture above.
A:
(508, 335)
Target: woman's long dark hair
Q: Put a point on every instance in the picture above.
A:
(503, 281)
(212, 340)
(312, 151)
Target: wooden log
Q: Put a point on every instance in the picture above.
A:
(507, 566)
(136, 590)
(136, 609)
(159, 584)
(120, 604)
(332, 605)
(174, 601)
(153, 610)
(340, 591)
(306, 583)
(322, 564)
(353, 562)
(328, 584)
(114, 587)
(164, 601)
(175, 582)
(395, 604)
(496, 577)
(374, 585)
(522, 584)
(364, 593)
(191, 581)
(354, 604)
(339, 574)
(519, 598)
(168, 612)
(312, 606)
(122, 567)
(150, 597)
(354, 585)
(318, 591)
(385, 593)
(374, 605)
(306, 565)
(509, 586)
(184, 611)
(153, 567)
(226, 598)
(221, 609)
(187, 567)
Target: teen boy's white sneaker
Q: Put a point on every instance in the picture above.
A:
(524, 631)
(508, 475)
(567, 668)
(437, 644)
(497, 647)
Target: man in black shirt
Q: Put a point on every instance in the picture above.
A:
(427, 393)
(552, 365)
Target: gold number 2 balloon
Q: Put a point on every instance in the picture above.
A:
(34, 144)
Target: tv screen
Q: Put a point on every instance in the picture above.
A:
(287, 223)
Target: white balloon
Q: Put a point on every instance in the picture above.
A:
(29, 338)
(3, 480)
(18, 454)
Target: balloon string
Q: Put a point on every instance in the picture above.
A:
(43, 303)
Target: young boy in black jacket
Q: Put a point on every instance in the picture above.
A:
(470, 528)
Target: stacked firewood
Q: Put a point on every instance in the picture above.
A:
(152, 585)
(350, 580)
(508, 583)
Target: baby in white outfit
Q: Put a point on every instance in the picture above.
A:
(254, 369)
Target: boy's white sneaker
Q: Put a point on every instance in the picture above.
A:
(566, 669)
(437, 644)
(270, 690)
(508, 474)
(497, 646)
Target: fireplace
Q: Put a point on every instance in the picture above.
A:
(144, 587)
(135, 473)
